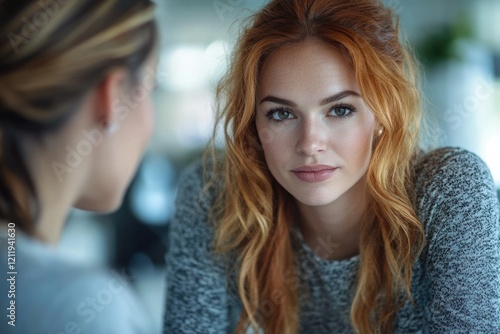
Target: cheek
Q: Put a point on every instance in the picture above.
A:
(356, 147)
(276, 143)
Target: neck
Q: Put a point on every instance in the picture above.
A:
(55, 198)
(333, 231)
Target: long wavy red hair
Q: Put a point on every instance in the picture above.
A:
(252, 213)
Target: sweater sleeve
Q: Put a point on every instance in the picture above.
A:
(460, 209)
(197, 298)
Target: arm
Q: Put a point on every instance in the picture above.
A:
(462, 260)
(196, 281)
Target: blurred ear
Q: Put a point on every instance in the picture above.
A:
(107, 94)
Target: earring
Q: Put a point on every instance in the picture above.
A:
(110, 128)
(380, 131)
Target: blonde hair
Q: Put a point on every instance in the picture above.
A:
(251, 211)
(54, 53)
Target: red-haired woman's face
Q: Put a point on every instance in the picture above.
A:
(316, 131)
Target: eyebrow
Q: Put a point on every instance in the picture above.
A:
(333, 98)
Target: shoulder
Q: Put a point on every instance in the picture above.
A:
(196, 274)
(107, 302)
(193, 192)
(97, 301)
(454, 190)
(192, 229)
(66, 295)
(452, 172)
(454, 162)
(457, 204)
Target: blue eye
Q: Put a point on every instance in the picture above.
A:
(279, 115)
(342, 111)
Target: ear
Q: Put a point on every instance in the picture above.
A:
(107, 94)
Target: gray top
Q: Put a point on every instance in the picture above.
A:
(53, 295)
(455, 282)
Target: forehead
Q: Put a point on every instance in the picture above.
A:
(309, 67)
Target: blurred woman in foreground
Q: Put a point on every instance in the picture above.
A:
(75, 117)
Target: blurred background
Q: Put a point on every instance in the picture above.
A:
(457, 41)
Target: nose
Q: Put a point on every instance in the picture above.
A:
(312, 138)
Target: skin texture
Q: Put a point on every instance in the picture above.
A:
(98, 181)
(312, 134)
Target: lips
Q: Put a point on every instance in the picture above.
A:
(316, 173)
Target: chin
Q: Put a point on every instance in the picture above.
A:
(314, 202)
(315, 199)
(101, 205)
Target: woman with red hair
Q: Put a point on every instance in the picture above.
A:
(322, 215)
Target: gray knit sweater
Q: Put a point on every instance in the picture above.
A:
(455, 282)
